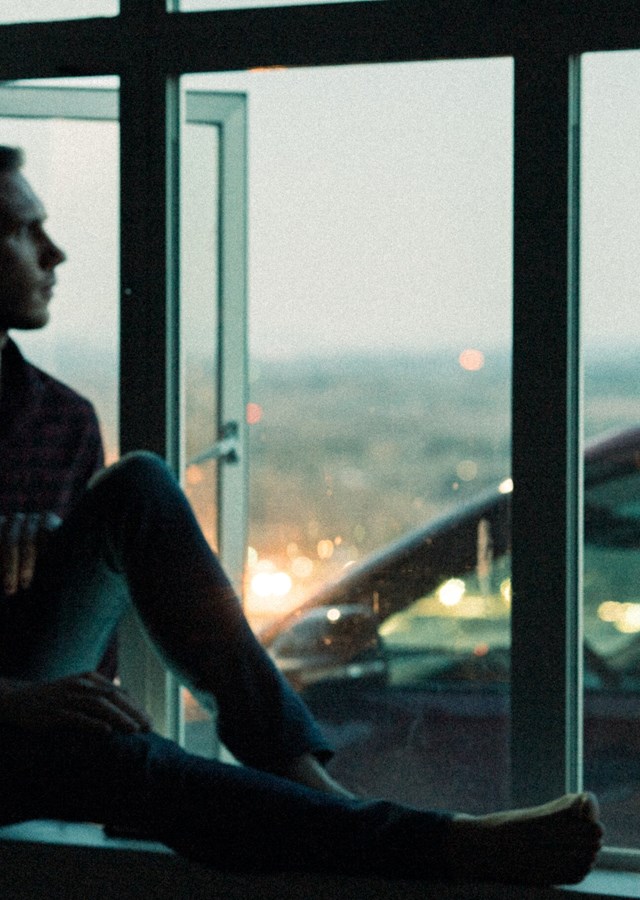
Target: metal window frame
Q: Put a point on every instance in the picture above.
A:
(149, 47)
(140, 669)
(150, 305)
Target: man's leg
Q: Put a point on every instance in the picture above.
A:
(226, 816)
(135, 526)
(134, 536)
(234, 817)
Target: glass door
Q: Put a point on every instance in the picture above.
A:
(213, 340)
(71, 138)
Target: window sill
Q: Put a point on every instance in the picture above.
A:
(70, 861)
(607, 883)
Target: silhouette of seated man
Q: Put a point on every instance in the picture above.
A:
(78, 545)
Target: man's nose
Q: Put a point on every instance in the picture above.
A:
(52, 254)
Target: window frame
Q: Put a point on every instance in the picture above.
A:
(140, 669)
(150, 47)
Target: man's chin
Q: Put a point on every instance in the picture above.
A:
(31, 324)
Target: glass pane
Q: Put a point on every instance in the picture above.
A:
(53, 10)
(610, 267)
(200, 5)
(199, 318)
(73, 166)
(380, 292)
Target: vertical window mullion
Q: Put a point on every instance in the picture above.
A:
(546, 685)
(233, 479)
(575, 445)
(149, 362)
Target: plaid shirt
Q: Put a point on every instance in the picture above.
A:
(50, 442)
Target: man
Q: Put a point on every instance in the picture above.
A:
(50, 447)
(76, 548)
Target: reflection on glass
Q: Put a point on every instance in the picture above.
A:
(73, 166)
(199, 314)
(380, 288)
(610, 273)
(54, 10)
(198, 327)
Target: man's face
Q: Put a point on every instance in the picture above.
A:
(28, 257)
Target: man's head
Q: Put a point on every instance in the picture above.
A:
(28, 257)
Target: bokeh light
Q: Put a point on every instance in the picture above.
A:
(471, 360)
(451, 592)
(254, 413)
(325, 549)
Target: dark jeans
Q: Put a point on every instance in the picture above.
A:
(133, 539)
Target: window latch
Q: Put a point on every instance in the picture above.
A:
(225, 448)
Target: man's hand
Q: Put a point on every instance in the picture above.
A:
(87, 701)
(21, 535)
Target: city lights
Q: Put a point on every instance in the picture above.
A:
(471, 360)
(254, 413)
(625, 617)
(271, 584)
(451, 592)
(506, 486)
(302, 566)
(325, 549)
(252, 557)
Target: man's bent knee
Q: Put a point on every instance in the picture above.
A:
(133, 469)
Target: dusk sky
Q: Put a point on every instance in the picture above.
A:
(380, 204)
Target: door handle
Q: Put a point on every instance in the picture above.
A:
(225, 448)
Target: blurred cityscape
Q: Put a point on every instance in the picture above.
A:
(348, 453)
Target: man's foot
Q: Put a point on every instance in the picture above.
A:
(307, 770)
(556, 843)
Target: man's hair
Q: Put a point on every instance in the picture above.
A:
(11, 159)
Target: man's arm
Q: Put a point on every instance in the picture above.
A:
(21, 536)
(88, 701)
